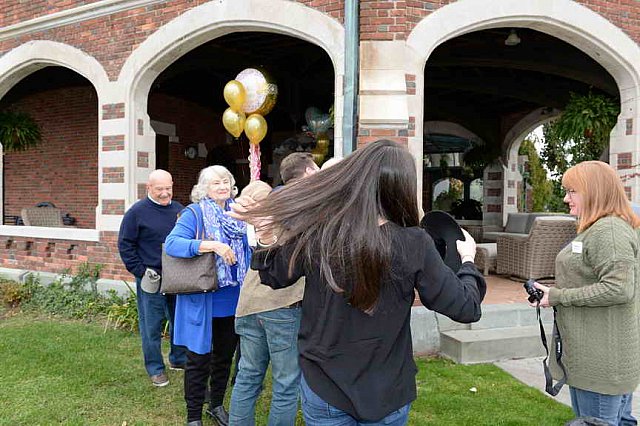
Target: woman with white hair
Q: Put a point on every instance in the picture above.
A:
(204, 322)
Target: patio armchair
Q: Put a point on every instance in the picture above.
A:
(42, 216)
(533, 255)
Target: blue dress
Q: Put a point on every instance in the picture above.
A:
(192, 325)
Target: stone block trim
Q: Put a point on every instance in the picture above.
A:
(367, 135)
(40, 254)
(624, 160)
(113, 143)
(113, 207)
(112, 111)
(143, 159)
(113, 175)
(410, 80)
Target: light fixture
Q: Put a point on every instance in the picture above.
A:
(512, 39)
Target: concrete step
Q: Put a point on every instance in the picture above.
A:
(499, 316)
(495, 344)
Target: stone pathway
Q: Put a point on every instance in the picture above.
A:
(530, 372)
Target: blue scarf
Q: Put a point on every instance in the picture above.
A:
(220, 227)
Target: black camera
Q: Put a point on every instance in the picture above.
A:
(534, 293)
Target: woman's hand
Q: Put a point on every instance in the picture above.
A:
(544, 302)
(466, 248)
(221, 249)
(262, 225)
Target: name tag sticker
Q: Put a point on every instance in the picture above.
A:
(576, 247)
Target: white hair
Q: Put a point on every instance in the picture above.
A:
(207, 174)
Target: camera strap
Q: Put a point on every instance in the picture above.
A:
(549, 387)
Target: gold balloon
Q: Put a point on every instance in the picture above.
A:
(233, 121)
(255, 128)
(324, 143)
(235, 95)
(317, 158)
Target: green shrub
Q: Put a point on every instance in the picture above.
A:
(12, 294)
(73, 296)
(123, 314)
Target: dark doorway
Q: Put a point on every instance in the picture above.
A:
(162, 152)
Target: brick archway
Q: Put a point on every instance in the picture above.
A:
(35, 55)
(564, 19)
(202, 24)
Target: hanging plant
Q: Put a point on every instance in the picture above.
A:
(18, 131)
(587, 120)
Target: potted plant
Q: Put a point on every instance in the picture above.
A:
(18, 131)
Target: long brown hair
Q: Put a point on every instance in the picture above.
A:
(333, 217)
(601, 192)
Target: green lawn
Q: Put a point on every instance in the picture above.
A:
(56, 371)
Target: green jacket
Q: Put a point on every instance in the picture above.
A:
(597, 299)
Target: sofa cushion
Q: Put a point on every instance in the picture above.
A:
(517, 223)
(533, 216)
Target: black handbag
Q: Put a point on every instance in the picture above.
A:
(189, 275)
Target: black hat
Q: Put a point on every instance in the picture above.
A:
(445, 231)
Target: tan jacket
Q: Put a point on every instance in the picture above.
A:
(256, 297)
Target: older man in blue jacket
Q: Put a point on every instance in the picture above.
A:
(142, 233)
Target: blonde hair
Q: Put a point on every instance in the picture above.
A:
(601, 192)
(256, 190)
(207, 174)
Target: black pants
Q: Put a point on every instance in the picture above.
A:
(214, 367)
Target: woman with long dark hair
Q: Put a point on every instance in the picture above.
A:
(352, 230)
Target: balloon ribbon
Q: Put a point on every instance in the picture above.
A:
(254, 161)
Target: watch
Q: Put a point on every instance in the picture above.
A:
(191, 152)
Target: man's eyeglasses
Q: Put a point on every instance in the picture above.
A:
(569, 192)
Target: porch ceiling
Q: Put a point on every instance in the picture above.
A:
(478, 82)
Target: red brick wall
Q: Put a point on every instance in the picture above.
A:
(194, 124)
(39, 254)
(395, 19)
(111, 39)
(333, 8)
(15, 11)
(63, 169)
(625, 14)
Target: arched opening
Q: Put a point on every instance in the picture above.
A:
(185, 105)
(63, 169)
(206, 24)
(567, 25)
(500, 90)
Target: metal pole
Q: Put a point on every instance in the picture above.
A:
(351, 60)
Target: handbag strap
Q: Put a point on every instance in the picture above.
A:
(198, 223)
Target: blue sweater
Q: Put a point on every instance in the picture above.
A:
(192, 325)
(142, 232)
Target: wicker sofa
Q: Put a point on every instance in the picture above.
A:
(517, 223)
(533, 255)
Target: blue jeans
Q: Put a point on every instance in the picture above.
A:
(613, 409)
(317, 412)
(153, 309)
(267, 336)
